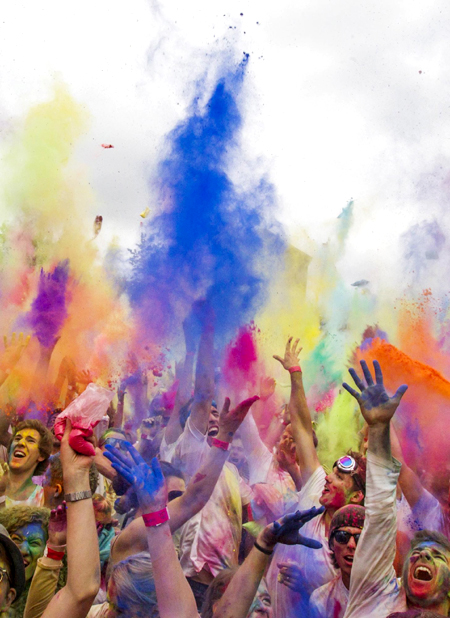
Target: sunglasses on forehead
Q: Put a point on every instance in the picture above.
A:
(346, 464)
(343, 537)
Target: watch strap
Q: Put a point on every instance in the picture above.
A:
(76, 496)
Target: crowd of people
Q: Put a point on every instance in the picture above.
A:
(187, 509)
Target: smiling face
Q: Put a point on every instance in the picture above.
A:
(339, 490)
(345, 552)
(426, 575)
(24, 451)
(30, 539)
(237, 453)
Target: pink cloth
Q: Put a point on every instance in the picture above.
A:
(84, 413)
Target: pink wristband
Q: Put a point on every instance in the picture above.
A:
(295, 369)
(220, 444)
(53, 554)
(156, 519)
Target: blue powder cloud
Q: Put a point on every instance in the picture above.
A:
(210, 241)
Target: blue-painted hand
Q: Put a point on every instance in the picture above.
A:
(375, 404)
(286, 530)
(147, 481)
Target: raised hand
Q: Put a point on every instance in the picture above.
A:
(291, 576)
(147, 481)
(57, 526)
(230, 420)
(286, 453)
(286, 530)
(13, 350)
(375, 404)
(291, 354)
(267, 388)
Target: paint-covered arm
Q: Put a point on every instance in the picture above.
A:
(174, 430)
(238, 597)
(299, 412)
(83, 573)
(258, 456)
(204, 374)
(373, 586)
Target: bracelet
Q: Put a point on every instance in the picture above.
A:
(78, 495)
(220, 444)
(295, 369)
(261, 549)
(53, 554)
(157, 518)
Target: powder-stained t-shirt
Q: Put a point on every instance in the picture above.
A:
(211, 538)
(315, 565)
(330, 600)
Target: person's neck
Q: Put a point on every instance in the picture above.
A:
(327, 517)
(346, 579)
(440, 608)
(19, 480)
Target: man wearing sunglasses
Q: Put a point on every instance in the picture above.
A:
(345, 529)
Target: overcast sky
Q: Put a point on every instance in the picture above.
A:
(343, 100)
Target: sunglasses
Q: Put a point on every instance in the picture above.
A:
(346, 464)
(343, 537)
(115, 442)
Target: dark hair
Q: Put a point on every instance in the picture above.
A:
(359, 476)
(431, 536)
(169, 470)
(216, 589)
(45, 443)
(15, 517)
(56, 473)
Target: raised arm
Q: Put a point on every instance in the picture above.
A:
(204, 374)
(299, 412)
(174, 595)
(239, 595)
(199, 490)
(373, 582)
(174, 429)
(83, 572)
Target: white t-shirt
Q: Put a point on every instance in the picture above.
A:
(315, 564)
(374, 588)
(211, 538)
(330, 600)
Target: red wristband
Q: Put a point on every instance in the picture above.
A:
(220, 444)
(53, 554)
(295, 369)
(157, 518)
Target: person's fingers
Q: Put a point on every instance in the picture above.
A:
(288, 345)
(157, 472)
(307, 542)
(378, 372)
(280, 565)
(125, 472)
(352, 391)
(243, 407)
(67, 429)
(356, 379)
(399, 393)
(294, 347)
(367, 373)
(226, 406)
(135, 456)
(279, 359)
(118, 455)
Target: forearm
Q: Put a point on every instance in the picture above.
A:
(380, 440)
(295, 474)
(302, 427)
(173, 429)
(204, 381)
(174, 595)
(199, 489)
(43, 587)
(239, 595)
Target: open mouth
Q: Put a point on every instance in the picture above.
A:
(349, 559)
(423, 573)
(213, 431)
(18, 454)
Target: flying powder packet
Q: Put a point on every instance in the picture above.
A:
(84, 413)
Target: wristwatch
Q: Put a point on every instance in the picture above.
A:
(78, 495)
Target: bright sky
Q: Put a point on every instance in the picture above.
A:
(343, 100)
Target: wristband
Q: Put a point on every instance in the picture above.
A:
(268, 552)
(295, 369)
(220, 444)
(53, 554)
(78, 495)
(157, 518)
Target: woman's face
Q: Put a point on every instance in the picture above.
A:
(30, 539)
